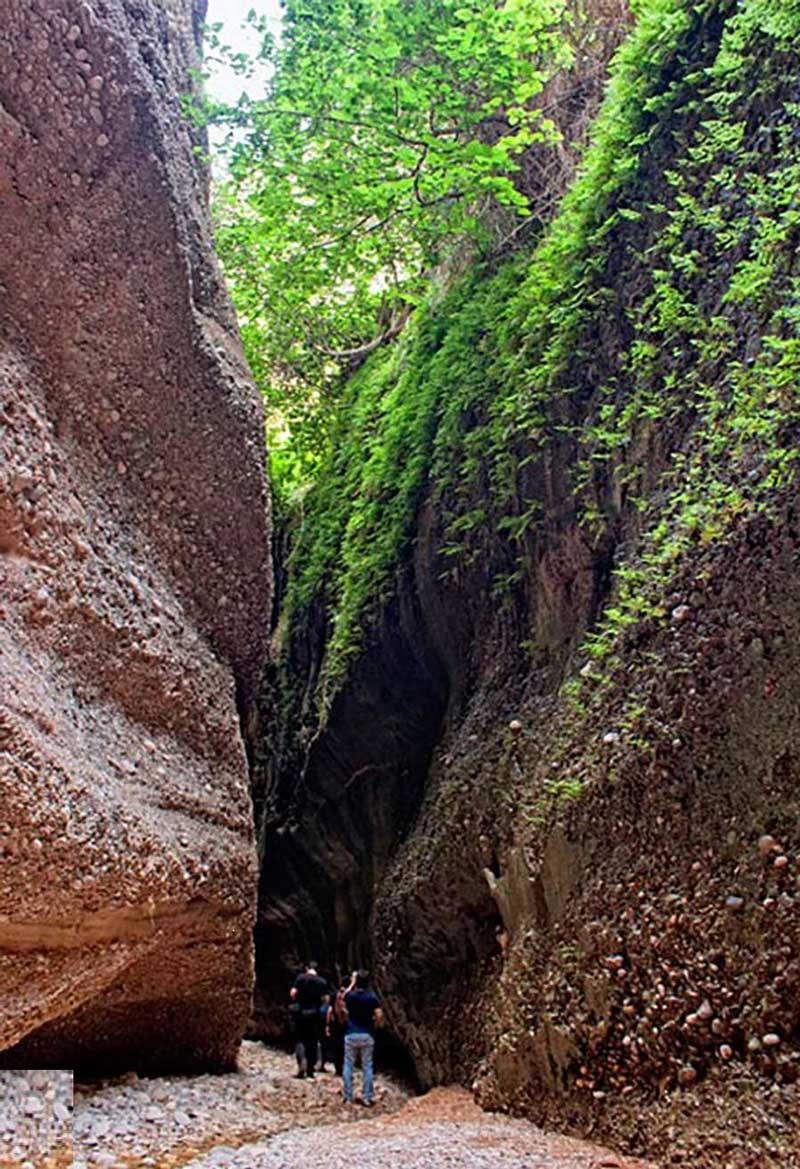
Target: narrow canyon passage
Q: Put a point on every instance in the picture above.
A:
(482, 673)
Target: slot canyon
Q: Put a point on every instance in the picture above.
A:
(501, 704)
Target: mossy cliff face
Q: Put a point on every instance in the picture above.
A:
(134, 557)
(541, 629)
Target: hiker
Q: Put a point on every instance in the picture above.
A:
(324, 1033)
(336, 1026)
(363, 1011)
(307, 993)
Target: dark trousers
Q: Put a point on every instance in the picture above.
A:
(336, 1042)
(325, 1052)
(307, 1041)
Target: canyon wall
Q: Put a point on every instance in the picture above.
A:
(540, 767)
(134, 555)
(334, 806)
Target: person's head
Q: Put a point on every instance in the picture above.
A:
(362, 979)
(311, 967)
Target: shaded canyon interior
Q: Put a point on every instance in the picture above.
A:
(543, 778)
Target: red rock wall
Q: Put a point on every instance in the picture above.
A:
(134, 559)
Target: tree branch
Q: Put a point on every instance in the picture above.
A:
(362, 351)
(334, 118)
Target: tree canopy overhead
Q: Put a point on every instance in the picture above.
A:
(388, 130)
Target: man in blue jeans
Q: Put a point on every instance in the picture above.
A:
(362, 1006)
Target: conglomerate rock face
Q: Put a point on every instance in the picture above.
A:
(134, 567)
(588, 906)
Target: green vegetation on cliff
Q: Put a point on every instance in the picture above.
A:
(389, 134)
(651, 337)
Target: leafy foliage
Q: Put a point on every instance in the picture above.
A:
(359, 515)
(388, 129)
(655, 325)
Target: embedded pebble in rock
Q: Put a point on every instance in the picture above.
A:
(36, 1119)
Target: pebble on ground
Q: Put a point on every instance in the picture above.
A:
(36, 1119)
(260, 1117)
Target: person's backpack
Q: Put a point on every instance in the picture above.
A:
(340, 1007)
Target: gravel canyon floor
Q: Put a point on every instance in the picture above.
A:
(261, 1118)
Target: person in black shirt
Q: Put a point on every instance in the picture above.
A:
(307, 994)
(363, 1007)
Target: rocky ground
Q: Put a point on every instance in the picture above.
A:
(172, 1120)
(35, 1120)
(261, 1118)
(443, 1130)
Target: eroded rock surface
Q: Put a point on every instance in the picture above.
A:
(133, 555)
(592, 916)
